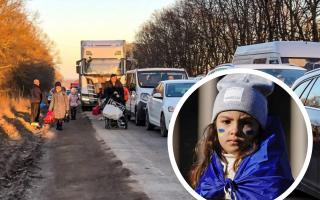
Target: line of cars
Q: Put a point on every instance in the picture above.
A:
(289, 61)
(153, 97)
(154, 93)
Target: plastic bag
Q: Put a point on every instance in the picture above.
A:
(43, 105)
(49, 119)
(96, 110)
(112, 112)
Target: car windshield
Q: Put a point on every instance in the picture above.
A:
(177, 89)
(150, 79)
(103, 66)
(288, 76)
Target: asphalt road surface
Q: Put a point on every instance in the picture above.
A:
(86, 161)
(145, 154)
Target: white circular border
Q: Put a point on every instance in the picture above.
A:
(238, 71)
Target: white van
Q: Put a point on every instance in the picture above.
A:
(298, 53)
(141, 83)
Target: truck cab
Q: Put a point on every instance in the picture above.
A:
(99, 59)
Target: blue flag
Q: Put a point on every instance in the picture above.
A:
(265, 174)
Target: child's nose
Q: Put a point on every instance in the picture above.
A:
(235, 129)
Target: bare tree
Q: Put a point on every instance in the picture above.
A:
(200, 34)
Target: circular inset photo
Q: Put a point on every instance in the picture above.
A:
(240, 134)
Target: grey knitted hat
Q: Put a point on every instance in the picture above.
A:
(246, 93)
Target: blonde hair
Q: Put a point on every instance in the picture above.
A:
(74, 90)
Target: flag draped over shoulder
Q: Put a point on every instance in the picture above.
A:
(265, 174)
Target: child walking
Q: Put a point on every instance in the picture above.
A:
(238, 157)
(73, 102)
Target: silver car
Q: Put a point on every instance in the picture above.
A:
(307, 88)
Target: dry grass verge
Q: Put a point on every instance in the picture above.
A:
(20, 147)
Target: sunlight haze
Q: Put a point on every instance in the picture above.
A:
(67, 22)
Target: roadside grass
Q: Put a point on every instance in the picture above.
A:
(15, 117)
(20, 147)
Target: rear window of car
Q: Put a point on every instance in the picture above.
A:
(288, 76)
(303, 88)
(313, 99)
(150, 79)
(177, 89)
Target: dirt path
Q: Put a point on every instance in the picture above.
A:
(75, 166)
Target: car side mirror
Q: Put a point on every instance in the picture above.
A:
(78, 69)
(157, 95)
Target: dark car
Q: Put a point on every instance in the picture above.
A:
(307, 88)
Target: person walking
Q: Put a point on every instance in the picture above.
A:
(36, 98)
(73, 103)
(59, 105)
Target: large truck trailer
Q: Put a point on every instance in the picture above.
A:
(99, 59)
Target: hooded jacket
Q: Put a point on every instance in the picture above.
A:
(59, 104)
(265, 174)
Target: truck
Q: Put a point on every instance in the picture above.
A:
(299, 53)
(99, 59)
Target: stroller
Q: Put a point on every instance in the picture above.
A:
(114, 115)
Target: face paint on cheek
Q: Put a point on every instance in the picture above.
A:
(249, 131)
(221, 131)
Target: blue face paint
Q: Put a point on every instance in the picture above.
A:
(221, 131)
(248, 131)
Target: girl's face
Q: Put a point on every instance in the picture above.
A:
(236, 131)
(58, 88)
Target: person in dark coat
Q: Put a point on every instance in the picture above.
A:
(114, 90)
(36, 98)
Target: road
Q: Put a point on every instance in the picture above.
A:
(85, 161)
(145, 154)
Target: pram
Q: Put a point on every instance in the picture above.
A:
(114, 115)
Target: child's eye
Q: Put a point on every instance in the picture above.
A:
(226, 121)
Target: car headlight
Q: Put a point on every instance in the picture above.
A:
(144, 96)
(85, 99)
(170, 108)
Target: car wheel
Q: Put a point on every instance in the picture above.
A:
(163, 129)
(137, 121)
(149, 126)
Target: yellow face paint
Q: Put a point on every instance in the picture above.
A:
(221, 131)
